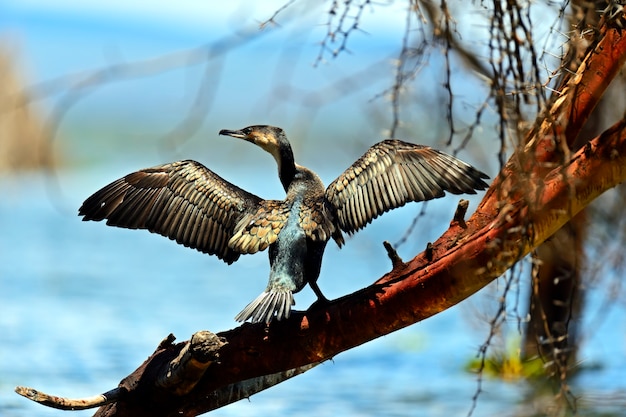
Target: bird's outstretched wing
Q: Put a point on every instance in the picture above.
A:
(184, 201)
(393, 173)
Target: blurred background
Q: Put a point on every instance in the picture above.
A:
(94, 90)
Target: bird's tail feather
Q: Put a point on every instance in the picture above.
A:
(263, 308)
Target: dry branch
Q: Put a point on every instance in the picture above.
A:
(67, 403)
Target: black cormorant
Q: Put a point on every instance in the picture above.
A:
(189, 203)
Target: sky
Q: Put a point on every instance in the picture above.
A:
(185, 13)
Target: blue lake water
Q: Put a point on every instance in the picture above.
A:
(82, 305)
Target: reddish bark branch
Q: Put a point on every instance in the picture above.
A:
(593, 78)
(557, 130)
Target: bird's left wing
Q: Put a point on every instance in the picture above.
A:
(393, 173)
(183, 200)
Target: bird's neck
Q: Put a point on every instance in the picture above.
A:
(286, 166)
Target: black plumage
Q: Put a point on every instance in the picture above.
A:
(192, 205)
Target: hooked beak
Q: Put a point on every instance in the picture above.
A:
(234, 133)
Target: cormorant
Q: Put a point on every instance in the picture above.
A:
(189, 203)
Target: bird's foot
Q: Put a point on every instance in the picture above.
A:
(321, 301)
(320, 297)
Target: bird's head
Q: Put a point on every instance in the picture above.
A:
(271, 138)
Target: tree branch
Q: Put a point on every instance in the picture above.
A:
(576, 98)
(67, 403)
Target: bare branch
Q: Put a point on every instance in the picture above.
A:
(396, 260)
(344, 18)
(459, 214)
(272, 18)
(62, 403)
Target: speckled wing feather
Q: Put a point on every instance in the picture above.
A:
(317, 221)
(184, 201)
(257, 230)
(393, 173)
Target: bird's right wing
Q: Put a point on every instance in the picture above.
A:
(184, 201)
